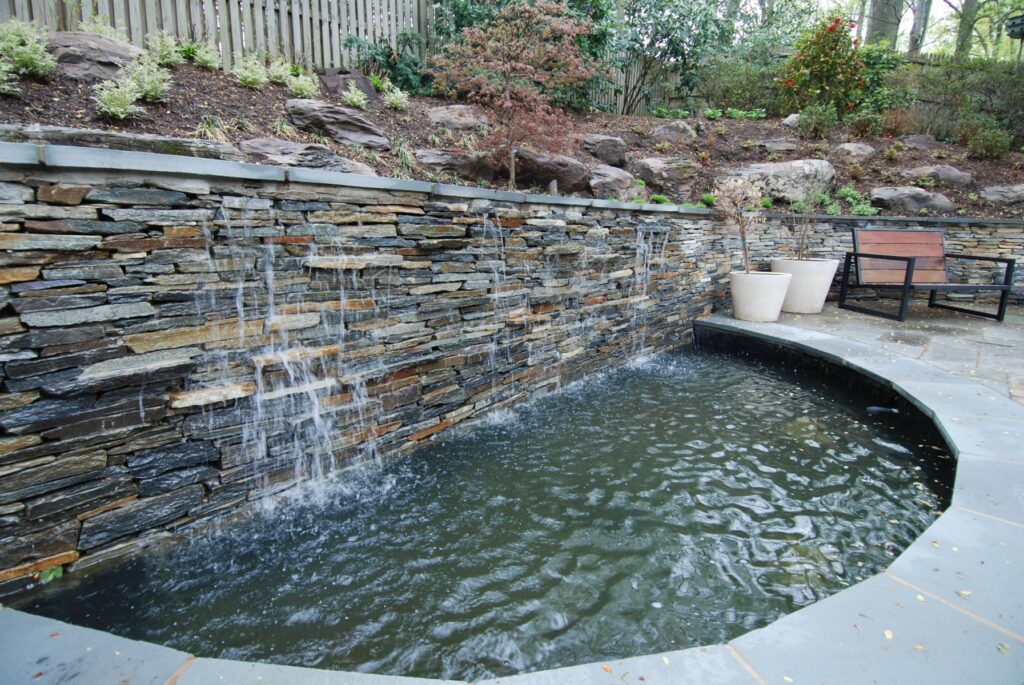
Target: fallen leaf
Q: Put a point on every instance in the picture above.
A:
(54, 634)
(888, 635)
(606, 668)
(918, 648)
(1002, 649)
(920, 598)
(935, 543)
(665, 659)
(964, 593)
(787, 678)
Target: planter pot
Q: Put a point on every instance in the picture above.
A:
(811, 280)
(758, 296)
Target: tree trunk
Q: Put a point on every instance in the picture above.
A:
(861, 11)
(920, 28)
(965, 29)
(884, 22)
(511, 168)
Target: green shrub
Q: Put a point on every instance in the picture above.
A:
(8, 80)
(187, 49)
(101, 27)
(279, 71)
(23, 49)
(886, 86)
(731, 82)
(983, 136)
(401, 65)
(396, 99)
(863, 209)
(151, 82)
(207, 56)
(864, 123)
(766, 203)
(164, 49)
(712, 114)
(659, 199)
(250, 72)
(818, 121)
(707, 199)
(116, 98)
(380, 83)
(354, 97)
(898, 122)
(826, 69)
(303, 86)
(850, 195)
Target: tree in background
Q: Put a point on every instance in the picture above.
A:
(661, 37)
(511, 68)
(922, 14)
(883, 19)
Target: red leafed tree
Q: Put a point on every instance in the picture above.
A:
(510, 66)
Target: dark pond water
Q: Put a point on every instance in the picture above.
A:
(680, 502)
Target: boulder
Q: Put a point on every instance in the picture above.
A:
(290, 153)
(779, 144)
(1004, 195)
(335, 82)
(792, 121)
(609, 182)
(674, 133)
(910, 199)
(942, 174)
(667, 174)
(85, 56)
(474, 166)
(920, 142)
(789, 181)
(609, 149)
(855, 153)
(343, 124)
(457, 117)
(541, 168)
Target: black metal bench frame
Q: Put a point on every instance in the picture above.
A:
(852, 258)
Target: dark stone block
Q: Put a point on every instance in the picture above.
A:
(30, 286)
(139, 515)
(172, 480)
(61, 336)
(116, 483)
(151, 463)
(296, 206)
(137, 196)
(15, 550)
(86, 226)
(39, 304)
(63, 471)
(34, 367)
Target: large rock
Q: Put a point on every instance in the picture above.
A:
(290, 153)
(920, 142)
(855, 153)
(474, 166)
(336, 81)
(115, 140)
(910, 199)
(789, 181)
(667, 174)
(457, 117)
(674, 133)
(541, 168)
(608, 182)
(792, 121)
(779, 144)
(343, 124)
(1004, 195)
(609, 149)
(943, 174)
(85, 56)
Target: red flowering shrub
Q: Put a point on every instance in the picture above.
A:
(510, 67)
(826, 70)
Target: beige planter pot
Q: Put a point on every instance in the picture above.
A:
(758, 296)
(812, 279)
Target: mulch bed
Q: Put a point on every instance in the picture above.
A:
(200, 95)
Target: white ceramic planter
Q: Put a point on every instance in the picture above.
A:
(758, 296)
(811, 280)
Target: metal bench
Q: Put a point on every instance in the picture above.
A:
(910, 260)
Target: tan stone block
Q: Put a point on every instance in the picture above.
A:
(62, 194)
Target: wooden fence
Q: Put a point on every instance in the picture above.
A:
(311, 32)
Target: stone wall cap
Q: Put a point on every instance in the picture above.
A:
(123, 160)
(19, 153)
(324, 177)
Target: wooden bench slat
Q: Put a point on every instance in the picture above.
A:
(866, 237)
(920, 264)
(903, 250)
(896, 276)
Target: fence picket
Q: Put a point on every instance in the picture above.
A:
(245, 9)
(235, 26)
(335, 33)
(272, 39)
(258, 30)
(226, 58)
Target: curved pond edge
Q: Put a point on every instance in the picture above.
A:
(949, 609)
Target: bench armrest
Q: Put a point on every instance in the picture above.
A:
(867, 255)
(1000, 260)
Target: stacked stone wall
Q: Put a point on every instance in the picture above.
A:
(177, 341)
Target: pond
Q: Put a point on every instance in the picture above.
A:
(681, 501)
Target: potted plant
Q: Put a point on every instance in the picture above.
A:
(756, 295)
(812, 278)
